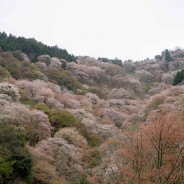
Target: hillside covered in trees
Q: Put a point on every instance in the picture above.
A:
(32, 47)
(81, 120)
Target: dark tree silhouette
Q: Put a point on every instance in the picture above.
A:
(179, 77)
(32, 47)
(167, 56)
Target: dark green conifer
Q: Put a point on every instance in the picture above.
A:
(167, 56)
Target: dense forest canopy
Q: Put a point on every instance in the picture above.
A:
(32, 47)
(92, 121)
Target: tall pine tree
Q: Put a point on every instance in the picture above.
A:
(167, 56)
(179, 77)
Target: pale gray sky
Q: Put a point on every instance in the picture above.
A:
(127, 29)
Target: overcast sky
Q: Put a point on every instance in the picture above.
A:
(127, 29)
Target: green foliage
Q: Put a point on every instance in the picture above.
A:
(98, 91)
(77, 178)
(29, 70)
(26, 70)
(19, 69)
(32, 47)
(11, 137)
(32, 137)
(93, 139)
(82, 179)
(14, 157)
(43, 107)
(92, 157)
(60, 182)
(18, 55)
(146, 87)
(26, 101)
(167, 56)
(179, 77)
(23, 162)
(4, 73)
(11, 64)
(117, 61)
(62, 78)
(58, 118)
(61, 118)
(6, 169)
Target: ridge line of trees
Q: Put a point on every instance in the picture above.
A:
(32, 47)
(165, 56)
(115, 61)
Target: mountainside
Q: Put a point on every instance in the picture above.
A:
(89, 121)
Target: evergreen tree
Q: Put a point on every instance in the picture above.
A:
(158, 57)
(179, 77)
(167, 56)
(32, 47)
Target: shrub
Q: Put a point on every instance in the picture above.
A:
(15, 159)
(4, 73)
(6, 169)
(43, 107)
(93, 139)
(61, 118)
(62, 78)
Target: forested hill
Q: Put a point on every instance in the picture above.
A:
(93, 121)
(32, 47)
